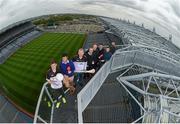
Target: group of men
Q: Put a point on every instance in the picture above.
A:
(95, 57)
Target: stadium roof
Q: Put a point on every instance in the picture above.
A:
(138, 35)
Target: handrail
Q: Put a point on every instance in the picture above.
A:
(39, 102)
(36, 116)
(150, 47)
(157, 58)
(92, 89)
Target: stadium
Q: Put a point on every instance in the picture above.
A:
(138, 84)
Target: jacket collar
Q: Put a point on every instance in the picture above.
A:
(65, 62)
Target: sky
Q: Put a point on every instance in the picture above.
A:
(164, 15)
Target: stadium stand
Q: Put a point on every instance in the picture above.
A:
(104, 38)
(96, 38)
(8, 35)
(14, 38)
(113, 38)
(140, 36)
(80, 28)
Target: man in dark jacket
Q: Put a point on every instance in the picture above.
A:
(113, 47)
(90, 61)
(101, 54)
(95, 56)
(80, 58)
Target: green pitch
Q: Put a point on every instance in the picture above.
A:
(23, 74)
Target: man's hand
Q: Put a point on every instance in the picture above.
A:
(93, 62)
(49, 81)
(102, 60)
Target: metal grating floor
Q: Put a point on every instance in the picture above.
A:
(108, 108)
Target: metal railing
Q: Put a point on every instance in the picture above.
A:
(90, 90)
(43, 113)
(119, 60)
(153, 50)
(148, 58)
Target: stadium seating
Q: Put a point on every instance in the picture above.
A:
(96, 38)
(10, 47)
(104, 38)
(7, 36)
(113, 38)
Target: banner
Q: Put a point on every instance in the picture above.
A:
(80, 66)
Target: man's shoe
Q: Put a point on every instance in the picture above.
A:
(49, 104)
(58, 104)
(64, 100)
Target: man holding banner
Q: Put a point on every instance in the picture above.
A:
(80, 63)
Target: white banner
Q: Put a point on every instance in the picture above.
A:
(80, 66)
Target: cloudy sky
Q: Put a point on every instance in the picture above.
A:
(162, 14)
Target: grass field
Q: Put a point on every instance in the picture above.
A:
(23, 74)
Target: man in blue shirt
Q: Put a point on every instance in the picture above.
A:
(67, 69)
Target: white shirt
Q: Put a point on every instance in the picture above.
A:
(56, 84)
